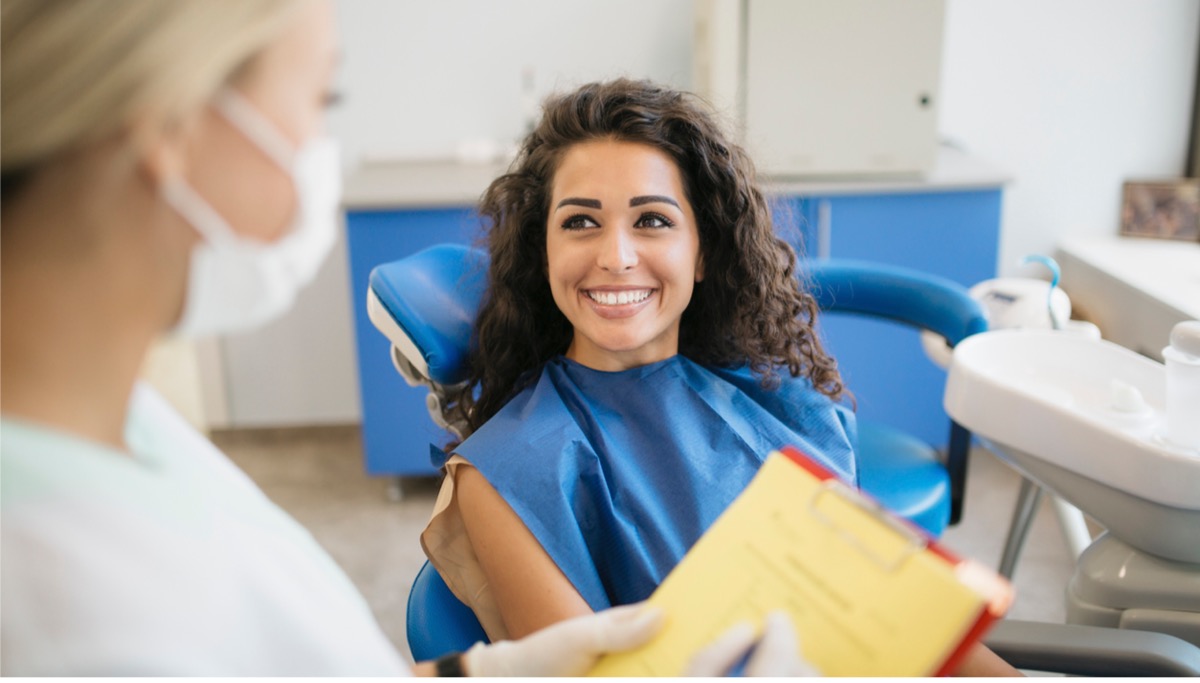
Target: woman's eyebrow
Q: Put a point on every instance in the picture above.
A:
(651, 199)
(580, 201)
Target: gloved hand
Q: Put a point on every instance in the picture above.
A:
(776, 654)
(568, 648)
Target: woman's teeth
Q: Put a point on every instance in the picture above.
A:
(619, 298)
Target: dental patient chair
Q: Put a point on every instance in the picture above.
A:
(425, 305)
(905, 474)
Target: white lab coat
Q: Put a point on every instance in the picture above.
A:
(168, 562)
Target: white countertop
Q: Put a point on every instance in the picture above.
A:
(1167, 271)
(439, 184)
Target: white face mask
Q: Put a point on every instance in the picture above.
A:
(236, 283)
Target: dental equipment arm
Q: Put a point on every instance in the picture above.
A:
(1092, 650)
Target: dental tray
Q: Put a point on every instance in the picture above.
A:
(1084, 418)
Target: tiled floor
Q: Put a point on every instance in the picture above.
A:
(317, 476)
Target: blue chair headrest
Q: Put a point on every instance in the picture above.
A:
(451, 279)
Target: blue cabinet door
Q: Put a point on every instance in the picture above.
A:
(396, 427)
(952, 234)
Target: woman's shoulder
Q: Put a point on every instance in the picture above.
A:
(776, 381)
(533, 410)
(786, 396)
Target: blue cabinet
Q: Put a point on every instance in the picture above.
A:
(396, 428)
(951, 233)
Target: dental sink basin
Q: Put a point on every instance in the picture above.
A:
(1084, 418)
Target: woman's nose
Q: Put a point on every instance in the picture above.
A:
(618, 251)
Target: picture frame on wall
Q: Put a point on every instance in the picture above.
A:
(1165, 209)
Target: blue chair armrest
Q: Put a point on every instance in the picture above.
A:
(911, 297)
(901, 294)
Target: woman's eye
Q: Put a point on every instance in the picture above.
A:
(653, 220)
(579, 222)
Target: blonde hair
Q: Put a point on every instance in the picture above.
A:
(75, 72)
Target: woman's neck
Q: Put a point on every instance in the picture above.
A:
(68, 358)
(605, 360)
(78, 298)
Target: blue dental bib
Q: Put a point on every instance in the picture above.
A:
(617, 474)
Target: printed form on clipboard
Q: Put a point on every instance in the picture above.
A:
(870, 594)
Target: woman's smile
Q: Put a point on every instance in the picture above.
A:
(615, 303)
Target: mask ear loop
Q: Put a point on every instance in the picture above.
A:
(1055, 273)
(246, 118)
(198, 213)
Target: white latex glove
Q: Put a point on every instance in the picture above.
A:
(776, 654)
(568, 648)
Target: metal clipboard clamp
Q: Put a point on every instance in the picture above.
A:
(913, 541)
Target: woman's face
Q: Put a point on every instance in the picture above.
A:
(289, 84)
(622, 252)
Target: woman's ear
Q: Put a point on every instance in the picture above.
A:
(700, 266)
(163, 147)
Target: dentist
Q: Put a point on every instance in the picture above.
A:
(165, 170)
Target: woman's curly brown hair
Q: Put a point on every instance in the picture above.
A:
(749, 308)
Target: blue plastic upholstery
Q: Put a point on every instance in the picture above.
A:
(438, 623)
(901, 294)
(450, 280)
(900, 471)
(903, 473)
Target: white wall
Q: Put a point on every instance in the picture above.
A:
(1069, 96)
(297, 370)
(1072, 97)
(420, 76)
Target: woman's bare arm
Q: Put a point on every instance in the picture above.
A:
(982, 662)
(531, 592)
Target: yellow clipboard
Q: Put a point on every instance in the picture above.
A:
(870, 594)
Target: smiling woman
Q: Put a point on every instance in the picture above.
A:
(644, 344)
